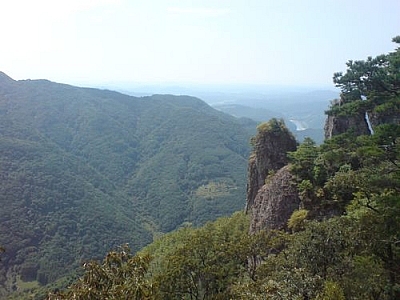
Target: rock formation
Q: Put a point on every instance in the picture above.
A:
(269, 204)
(337, 124)
(275, 202)
(272, 193)
(271, 144)
(356, 122)
(386, 117)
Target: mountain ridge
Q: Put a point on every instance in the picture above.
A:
(79, 165)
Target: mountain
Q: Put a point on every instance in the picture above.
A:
(84, 170)
(302, 108)
(243, 111)
(321, 222)
(302, 111)
(299, 125)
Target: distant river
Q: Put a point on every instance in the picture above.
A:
(300, 125)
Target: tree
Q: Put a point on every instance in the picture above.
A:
(345, 244)
(303, 160)
(371, 86)
(120, 276)
(205, 262)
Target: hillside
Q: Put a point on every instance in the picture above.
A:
(84, 170)
(303, 112)
(322, 222)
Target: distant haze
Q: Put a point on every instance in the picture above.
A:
(225, 42)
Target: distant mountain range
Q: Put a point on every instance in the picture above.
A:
(84, 170)
(303, 112)
(302, 108)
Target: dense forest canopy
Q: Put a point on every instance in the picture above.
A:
(342, 243)
(85, 170)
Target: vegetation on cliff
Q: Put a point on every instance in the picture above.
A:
(342, 243)
(270, 146)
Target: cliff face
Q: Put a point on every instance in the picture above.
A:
(275, 202)
(335, 125)
(271, 191)
(357, 121)
(387, 117)
(271, 144)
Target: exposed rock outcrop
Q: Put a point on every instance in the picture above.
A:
(357, 121)
(275, 202)
(271, 190)
(271, 145)
(337, 124)
(387, 117)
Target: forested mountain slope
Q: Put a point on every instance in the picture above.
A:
(83, 170)
(324, 220)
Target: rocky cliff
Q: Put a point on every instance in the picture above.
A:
(389, 116)
(275, 202)
(369, 104)
(270, 191)
(335, 125)
(363, 121)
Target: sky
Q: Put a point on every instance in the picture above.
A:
(227, 42)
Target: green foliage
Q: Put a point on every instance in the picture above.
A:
(85, 170)
(204, 262)
(327, 260)
(355, 255)
(275, 127)
(303, 160)
(120, 276)
(345, 257)
(331, 291)
(297, 220)
(342, 185)
(344, 242)
(213, 189)
(370, 86)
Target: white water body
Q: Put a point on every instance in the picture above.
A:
(300, 125)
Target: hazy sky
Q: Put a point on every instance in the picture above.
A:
(296, 42)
